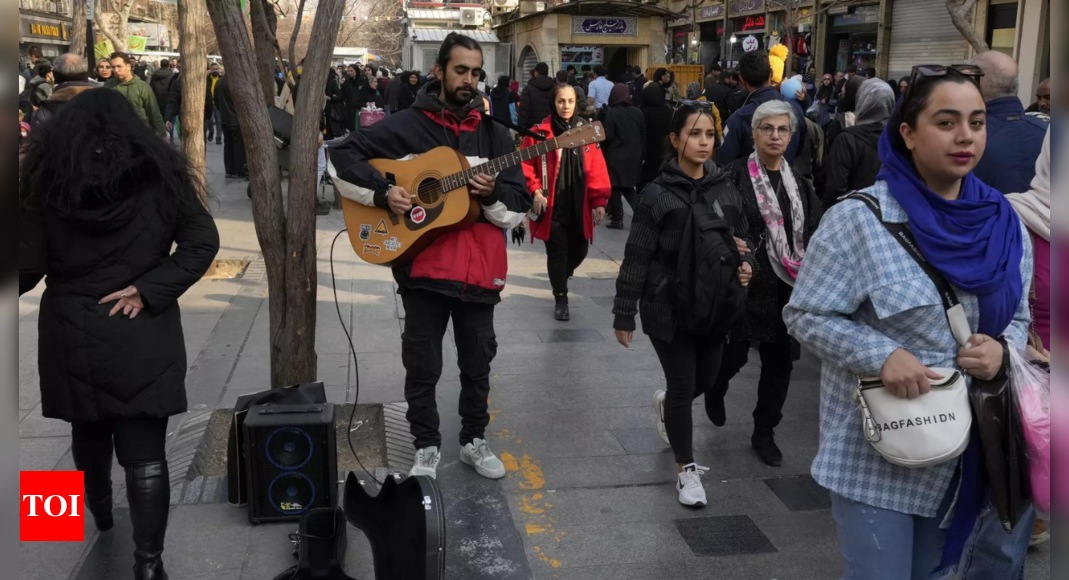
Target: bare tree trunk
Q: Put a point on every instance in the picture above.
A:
(264, 23)
(961, 14)
(302, 272)
(267, 208)
(191, 19)
(78, 27)
(115, 27)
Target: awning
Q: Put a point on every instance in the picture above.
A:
(426, 14)
(439, 34)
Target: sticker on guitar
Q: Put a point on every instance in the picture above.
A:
(365, 232)
(419, 215)
(392, 245)
(370, 249)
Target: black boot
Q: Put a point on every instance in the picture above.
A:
(561, 313)
(616, 224)
(95, 462)
(764, 444)
(148, 487)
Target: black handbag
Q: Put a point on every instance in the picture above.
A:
(1005, 462)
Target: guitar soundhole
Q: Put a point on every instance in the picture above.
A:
(430, 192)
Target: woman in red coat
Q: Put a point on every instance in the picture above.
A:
(571, 190)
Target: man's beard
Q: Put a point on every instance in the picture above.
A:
(454, 100)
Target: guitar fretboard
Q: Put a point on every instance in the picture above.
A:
(495, 167)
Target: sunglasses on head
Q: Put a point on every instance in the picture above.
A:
(930, 71)
(699, 104)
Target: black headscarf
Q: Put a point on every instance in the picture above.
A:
(849, 102)
(570, 191)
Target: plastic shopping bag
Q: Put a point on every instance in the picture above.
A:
(818, 113)
(1031, 387)
(370, 116)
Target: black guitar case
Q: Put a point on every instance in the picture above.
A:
(405, 525)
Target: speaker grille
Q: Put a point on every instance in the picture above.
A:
(289, 448)
(292, 493)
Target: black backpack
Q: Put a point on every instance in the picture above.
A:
(707, 296)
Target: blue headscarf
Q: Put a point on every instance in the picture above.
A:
(974, 241)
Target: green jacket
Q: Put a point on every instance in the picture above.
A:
(141, 97)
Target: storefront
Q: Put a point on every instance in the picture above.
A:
(711, 28)
(749, 28)
(852, 37)
(48, 31)
(680, 35)
(589, 32)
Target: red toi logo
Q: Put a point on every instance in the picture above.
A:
(51, 506)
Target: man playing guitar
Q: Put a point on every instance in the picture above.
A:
(461, 275)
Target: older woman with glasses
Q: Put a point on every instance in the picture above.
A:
(865, 306)
(782, 210)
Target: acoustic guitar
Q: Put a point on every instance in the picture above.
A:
(443, 203)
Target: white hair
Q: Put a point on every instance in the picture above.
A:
(774, 109)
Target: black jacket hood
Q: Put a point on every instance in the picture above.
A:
(429, 100)
(543, 83)
(672, 174)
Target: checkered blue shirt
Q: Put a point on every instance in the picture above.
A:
(860, 296)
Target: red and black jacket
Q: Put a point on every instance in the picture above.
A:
(598, 185)
(470, 264)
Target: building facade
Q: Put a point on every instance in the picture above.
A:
(428, 23)
(44, 23)
(617, 34)
(831, 35)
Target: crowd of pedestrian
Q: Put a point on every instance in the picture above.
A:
(768, 215)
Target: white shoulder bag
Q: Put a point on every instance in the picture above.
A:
(935, 428)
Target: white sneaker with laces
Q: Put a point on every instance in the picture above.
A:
(426, 463)
(691, 492)
(658, 408)
(478, 455)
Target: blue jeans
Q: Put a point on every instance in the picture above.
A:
(992, 553)
(878, 544)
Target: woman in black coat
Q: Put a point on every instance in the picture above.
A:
(350, 90)
(625, 149)
(795, 211)
(406, 96)
(111, 348)
(658, 118)
(335, 108)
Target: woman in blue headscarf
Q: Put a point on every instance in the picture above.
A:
(866, 307)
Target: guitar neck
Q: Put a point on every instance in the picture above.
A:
(495, 167)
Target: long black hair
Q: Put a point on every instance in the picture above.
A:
(96, 151)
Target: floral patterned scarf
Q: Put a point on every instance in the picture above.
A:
(785, 262)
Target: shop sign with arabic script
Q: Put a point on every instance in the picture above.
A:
(602, 26)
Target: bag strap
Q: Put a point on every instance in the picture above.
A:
(959, 322)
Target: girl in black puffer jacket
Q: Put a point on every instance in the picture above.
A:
(691, 363)
(111, 350)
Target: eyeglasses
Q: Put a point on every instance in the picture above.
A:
(769, 131)
(928, 71)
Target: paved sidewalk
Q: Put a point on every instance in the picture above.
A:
(589, 494)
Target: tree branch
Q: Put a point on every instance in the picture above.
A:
(961, 14)
(296, 33)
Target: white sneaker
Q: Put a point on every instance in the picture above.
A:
(426, 463)
(691, 492)
(479, 456)
(658, 408)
